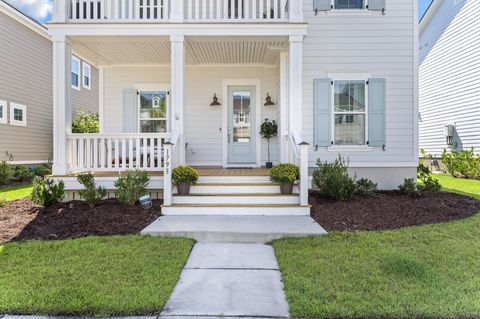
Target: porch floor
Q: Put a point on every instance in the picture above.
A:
(203, 171)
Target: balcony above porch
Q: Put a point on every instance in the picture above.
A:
(177, 11)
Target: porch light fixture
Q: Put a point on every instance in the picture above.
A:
(215, 100)
(269, 100)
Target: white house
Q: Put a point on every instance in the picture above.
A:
(450, 77)
(342, 75)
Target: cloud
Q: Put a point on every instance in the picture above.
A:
(38, 9)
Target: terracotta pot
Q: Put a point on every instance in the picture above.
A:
(286, 189)
(183, 189)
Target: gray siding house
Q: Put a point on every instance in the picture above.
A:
(26, 88)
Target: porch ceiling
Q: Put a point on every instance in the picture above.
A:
(199, 51)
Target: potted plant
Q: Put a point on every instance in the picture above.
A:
(269, 129)
(286, 175)
(184, 177)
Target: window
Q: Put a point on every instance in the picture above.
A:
(18, 114)
(87, 71)
(3, 112)
(75, 73)
(350, 112)
(349, 4)
(153, 111)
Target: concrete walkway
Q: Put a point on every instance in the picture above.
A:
(229, 280)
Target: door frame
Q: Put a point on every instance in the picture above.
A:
(258, 114)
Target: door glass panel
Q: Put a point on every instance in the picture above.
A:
(153, 111)
(241, 116)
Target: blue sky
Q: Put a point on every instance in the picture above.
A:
(41, 10)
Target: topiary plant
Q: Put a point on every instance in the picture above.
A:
(131, 186)
(46, 192)
(269, 129)
(91, 193)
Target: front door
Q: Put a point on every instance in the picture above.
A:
(241, 125)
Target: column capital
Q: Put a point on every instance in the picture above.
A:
(295, 38)
(177, 38)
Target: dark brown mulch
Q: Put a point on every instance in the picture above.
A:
(22, 220)
(391, 210)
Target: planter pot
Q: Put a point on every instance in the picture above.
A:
(269, 165)
(286, 189)
(183, 189)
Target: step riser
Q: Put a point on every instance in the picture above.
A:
(234, 179)
(219, 200)
(240, 189)
(236, 211)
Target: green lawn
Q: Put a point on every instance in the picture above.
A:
(427, 271)
(14, 193)
(462, 186)
(101, 276)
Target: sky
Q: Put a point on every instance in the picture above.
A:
(41, 10)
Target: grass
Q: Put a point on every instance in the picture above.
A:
(14, 193)
(94, 276)
(426, 271)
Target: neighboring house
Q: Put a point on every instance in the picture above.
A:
(26, 88)
(342, 76)
(450, 76)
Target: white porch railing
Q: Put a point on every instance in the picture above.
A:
(300, 152)
(116, 152)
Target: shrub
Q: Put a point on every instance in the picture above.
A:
(332, 179)
(131, 186)
(22, 173)
(5, 171)
(86, 123)
(91, 193)
(409, 188)
(43, 171)
(46, 192)
(462, 163)
(3, 202)
(425, 175)
(365, 187)
(185, 174)
(285, 173)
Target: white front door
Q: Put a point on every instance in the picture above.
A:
(241, 123)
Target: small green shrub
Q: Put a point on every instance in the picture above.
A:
(285, 173)
(131, 186)
(462, 163)
(5, 172)
(332, 179)
(22, 173)
(185, 174)
(91, 193)
(3, 202)
(425, 175)
(409, 188)
(86, 123)
(365, 187)
(43, 171)
(46, 192)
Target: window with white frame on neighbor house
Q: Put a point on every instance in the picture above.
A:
(349, 4)
(75, 72)
(3, 112)
(350, 112)
(18, 114)
(87, 75)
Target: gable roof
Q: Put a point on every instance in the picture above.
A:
(24, 19)
(427, 17)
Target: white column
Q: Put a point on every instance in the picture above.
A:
(62, 109)
(176, 13)
(60, 10)
(296, 78)
(303, 173)
(296, 10)
(178, 92)
(284, 103)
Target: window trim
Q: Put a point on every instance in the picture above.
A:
(21, 107)
(4, 118)
(85, 65)
(76, 59)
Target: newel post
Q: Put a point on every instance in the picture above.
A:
(304, 173)
(60, 11)
(167, 173)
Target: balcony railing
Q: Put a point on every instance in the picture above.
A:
(177, 10)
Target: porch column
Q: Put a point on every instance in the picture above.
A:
(62, 109)
(284, 113)
(296, 78)
(178, 92)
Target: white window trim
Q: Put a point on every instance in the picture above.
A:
(86, 66)
(157, 87)
(17, 106)
(74, 58)
(4, 118)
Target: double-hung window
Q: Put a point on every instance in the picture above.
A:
(3, 112)
(75, 73)
(18, 114)
(153, 111)
(349, 4)
(87, 75)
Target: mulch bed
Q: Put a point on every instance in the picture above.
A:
(391, 210)
(22, 220)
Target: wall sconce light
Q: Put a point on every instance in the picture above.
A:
(269, 101)
(215, 100)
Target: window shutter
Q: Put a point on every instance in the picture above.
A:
(323, 108)
(322, 5)
(376, 5)
(129, 111)
(377, 112)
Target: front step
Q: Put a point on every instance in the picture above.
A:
(235, 188)
(221, 199)
(235, 210)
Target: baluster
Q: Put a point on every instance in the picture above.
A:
(166, 10)
(204, 9)
(197, 9)
(260, 10)
(145, 152)
(137, 151)
(246, 13)
(117, 153)
(219, 10)
(240, 10)
(74, 153)
(95, 9)
(81, 154)
(109, 153)
(124, 153)
(211, 10)
(102, 147)
(102, 14)
(152, 152)
(190, 9)
(269, 9)
(159, 152)
(130, 153)
(275, 9)
(74, 9)
(232, 9)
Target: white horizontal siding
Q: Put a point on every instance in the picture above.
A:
(450, 76)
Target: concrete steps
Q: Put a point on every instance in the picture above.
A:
(235, 188)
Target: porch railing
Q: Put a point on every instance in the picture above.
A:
(300, 152)
(116, 152)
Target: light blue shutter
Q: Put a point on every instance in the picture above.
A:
(323, 108)
(377, 112)
(322, 5)
(376, 5)
(130, 111)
